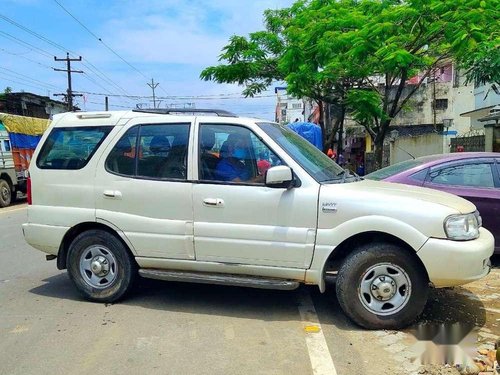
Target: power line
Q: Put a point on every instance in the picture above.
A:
(52, 87)
(182, 97)
(87, 64)
(34, 85)
(19, 41)
(100, 39)
(26, 58)
(86, 76)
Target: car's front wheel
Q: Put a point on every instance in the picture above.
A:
(100, 266)
(382, 286)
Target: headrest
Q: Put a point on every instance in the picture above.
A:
(159, 144)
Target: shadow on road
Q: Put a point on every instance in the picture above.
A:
(444, 306)
(188, 298)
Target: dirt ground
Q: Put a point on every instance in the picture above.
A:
(476, 307)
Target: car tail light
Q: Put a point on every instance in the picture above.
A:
(28, 190)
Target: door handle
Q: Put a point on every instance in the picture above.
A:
(213, 202)
(112, 194)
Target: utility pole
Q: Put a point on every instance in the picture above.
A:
(69, 93)
(153, 86)
(106, 104)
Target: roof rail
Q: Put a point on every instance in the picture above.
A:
(169, 111)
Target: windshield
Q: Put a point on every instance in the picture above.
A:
(392, 170)
(316, 163)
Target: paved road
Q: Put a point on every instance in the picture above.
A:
(175, 328)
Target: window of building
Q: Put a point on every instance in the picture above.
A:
(296, 105)
(71, 148)
(441, 104)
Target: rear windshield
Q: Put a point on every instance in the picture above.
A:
(71, 148)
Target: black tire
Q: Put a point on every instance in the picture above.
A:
(84, 249)
(375, 257)
(5, 193)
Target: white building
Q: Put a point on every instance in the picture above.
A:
(288, 108)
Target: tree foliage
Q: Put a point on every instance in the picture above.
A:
(361, 54)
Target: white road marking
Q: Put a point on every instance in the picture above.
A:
(5, 211)
(321, 360)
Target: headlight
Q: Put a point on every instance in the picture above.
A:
(462, 227)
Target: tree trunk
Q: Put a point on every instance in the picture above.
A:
(379, 154)
(379, 143)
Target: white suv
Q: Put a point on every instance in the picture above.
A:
(227, 200)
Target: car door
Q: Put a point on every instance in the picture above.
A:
(142, 188)
(475, 180)
(237, 219)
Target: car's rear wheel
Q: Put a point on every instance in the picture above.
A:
(382, 286)
(100, 266)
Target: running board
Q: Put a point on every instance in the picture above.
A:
(220, 279)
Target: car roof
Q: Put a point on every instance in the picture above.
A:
(439, 158)
(106, 118)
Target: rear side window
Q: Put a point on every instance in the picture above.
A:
(156, 151)
(71, 148)
(474, 175)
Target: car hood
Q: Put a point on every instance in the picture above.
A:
(422, 209)
(397, 191)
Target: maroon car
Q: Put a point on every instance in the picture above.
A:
(474, 176)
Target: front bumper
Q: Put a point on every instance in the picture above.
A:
(450, 263)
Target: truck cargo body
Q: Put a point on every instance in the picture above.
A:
(19, 136)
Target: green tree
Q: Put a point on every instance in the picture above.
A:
(261, 59)
(360, 54)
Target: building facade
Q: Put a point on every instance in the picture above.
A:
(32, 105)
(288, 108)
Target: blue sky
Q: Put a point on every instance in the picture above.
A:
(168, 40)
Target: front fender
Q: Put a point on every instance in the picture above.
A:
(327, 240)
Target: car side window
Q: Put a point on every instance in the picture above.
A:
(151, 151)
(163, 151)
(231, 153)
(121, 159)
(475, 175)
(71, 148)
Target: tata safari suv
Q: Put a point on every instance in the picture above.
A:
(214, 198)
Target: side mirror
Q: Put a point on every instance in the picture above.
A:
(280, 176)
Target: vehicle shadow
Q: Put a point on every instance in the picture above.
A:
(220, 300)
(445, 306)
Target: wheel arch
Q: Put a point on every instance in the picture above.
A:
(339, 253)
(74, 231)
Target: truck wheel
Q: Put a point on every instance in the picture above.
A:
(5, 193)
(100, 266)
(381, 286)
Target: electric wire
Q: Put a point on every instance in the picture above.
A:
(26, 58)
(52, 87)
(100, 40)
(87, 63)
(19, 41)
(181, 97)
(34, 85)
